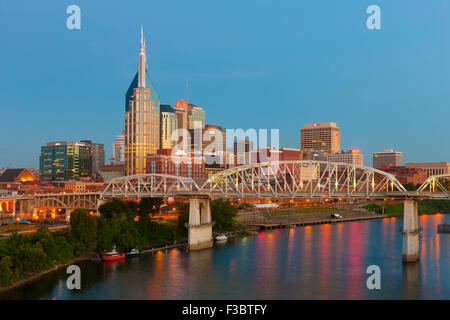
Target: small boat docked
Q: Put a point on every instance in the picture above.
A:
(134, 253)
(113, 255)
(221, 237)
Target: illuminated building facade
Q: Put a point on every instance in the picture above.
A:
(179, 165)
(118, 150)
(323, 137)
(431, 168)
(189, 115)
(388, 157)
(65, 160)
(242, 149)
(353, 156)
(210, 143)
(169, 123)
(98, 156)
(406, 175)
(142, 118)
(16, 175)
(196, 117)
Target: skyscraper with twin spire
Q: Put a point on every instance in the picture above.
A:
(141, 117)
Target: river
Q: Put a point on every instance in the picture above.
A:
(317, 262)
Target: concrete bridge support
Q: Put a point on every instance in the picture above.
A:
(200, 224)
(410, 249)
(99, 203)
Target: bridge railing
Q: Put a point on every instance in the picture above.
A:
(149, 185)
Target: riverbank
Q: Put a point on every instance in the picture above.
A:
(41, 274)
(38, 275)
(396, 209)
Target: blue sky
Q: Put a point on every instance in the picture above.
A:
(250, 64)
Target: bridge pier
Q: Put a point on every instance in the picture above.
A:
(200, 224)
(99, 203)
(410, 246)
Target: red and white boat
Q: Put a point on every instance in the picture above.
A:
(113, 255)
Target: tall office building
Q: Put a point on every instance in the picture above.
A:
(65, 160)
(142, 118)
(242, 149)
(181, 109)
(98, 156)
(190, 117)
(388, 157)
(210, 143)
(118, 150)
(169, 123)
(196, 117)
(322, 137)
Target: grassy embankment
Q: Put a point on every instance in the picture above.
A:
(424, 207)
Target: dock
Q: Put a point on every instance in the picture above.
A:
(178, 245)
(269, 226)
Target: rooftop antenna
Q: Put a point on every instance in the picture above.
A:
(187, 89)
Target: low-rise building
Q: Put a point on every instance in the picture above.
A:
(388, 157)
(16, 175)
(164, 162)
(406, 175)
(111, 171)
(353, 156)
(432, 168)
(81, 187)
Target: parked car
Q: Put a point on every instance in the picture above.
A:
(335, 216)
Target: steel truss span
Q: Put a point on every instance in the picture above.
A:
(281, 179)
(304, 179)
(149, 185)
(433, 186)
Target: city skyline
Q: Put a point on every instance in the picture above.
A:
(83, 76)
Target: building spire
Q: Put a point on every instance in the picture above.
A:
(142, 61)
(142, 48)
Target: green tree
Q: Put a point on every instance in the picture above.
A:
(150, 206)
(83, 231)
(223, 214)
(183, 215)
(44, 239)
(32, 257)
(6, 273)
(112, 208)
(104, 236)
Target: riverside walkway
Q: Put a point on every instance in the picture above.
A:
(310, 222)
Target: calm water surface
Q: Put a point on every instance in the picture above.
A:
(318, 262)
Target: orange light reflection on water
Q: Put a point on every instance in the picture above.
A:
(325, 260)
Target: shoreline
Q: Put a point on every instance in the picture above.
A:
(58, 267)
(41, 274)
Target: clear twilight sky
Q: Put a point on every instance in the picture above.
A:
(250, 64)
